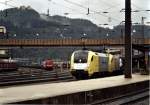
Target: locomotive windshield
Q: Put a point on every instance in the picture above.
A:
(80, 57)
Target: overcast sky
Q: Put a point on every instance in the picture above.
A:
(78, 9)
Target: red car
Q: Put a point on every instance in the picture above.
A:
(48, 64)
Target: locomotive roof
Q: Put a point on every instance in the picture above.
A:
(96, 53)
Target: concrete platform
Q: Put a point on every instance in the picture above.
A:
(34, 92)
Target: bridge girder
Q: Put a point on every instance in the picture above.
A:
(68, 42)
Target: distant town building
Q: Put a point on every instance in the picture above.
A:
(25, 7)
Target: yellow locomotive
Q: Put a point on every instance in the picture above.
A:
(85, 64)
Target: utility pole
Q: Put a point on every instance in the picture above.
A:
(146, 53)
(128, 40)
(142, 23)
(122, 36)
(47, 12)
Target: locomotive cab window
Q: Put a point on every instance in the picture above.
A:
(1, 30)
(80, 57)
(92, 58)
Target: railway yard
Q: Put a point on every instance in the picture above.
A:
(53, 83)
(93, 91)
(69, 91)
(24, 76)
(60, 52)
(33, 75)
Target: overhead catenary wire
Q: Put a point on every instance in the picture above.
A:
(87, 8)
(100, 13)
(110, 6)
(146, 12)
(97, 12)
(8, 0)
(75, 10)
(140, 10)
(55, 3)
(8, 5)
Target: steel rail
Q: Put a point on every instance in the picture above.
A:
(34, 77)
(125, 99)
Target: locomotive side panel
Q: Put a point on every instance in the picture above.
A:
(93, 65)
(103, 63)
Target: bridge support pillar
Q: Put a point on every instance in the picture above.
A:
(147, 62)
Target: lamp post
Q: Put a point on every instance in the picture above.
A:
(105, 37)
(142, 23)
(37, 35)
(15, 35)
(83, 39)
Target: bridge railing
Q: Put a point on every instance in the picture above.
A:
(68, 42)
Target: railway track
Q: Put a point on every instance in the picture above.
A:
(27, 76)
(126, 99)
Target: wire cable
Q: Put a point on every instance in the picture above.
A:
(140, 8)
(8, 5)
(100, 13)
(55, 3)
